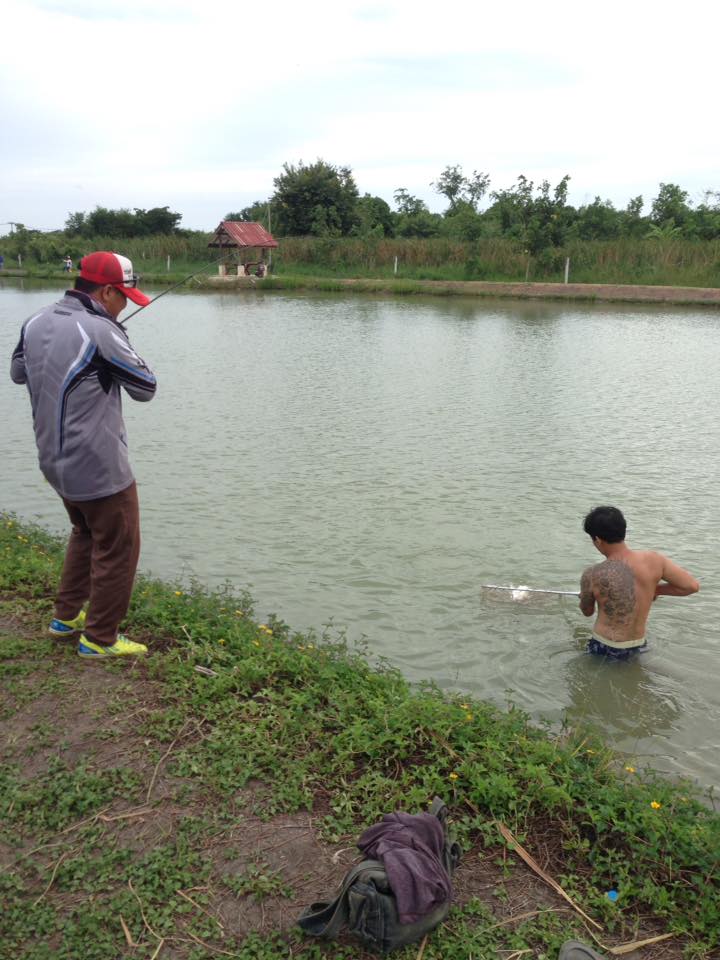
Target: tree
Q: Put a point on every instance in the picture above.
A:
(477, 187)
(632, 222)
(598, 220)
(538, 219)
(413, 217)
(158, 220)
(375, 218)
(458, 188)
(407, 204)
(451, 184)
(706, 216)
(257, 212)
(670, 204)
(318, 199)
(463, 222)
(76, 224)
(103, 222)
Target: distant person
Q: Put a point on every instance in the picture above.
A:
(74, 356)
(67, 265)
(624, 585)
(261, 269)
(2, 261)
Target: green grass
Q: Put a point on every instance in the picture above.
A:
(670, 262)
(313, 726)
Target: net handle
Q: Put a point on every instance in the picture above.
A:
(520, 589)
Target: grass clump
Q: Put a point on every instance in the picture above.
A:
(304, 722)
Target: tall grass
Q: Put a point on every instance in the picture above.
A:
(672, 262)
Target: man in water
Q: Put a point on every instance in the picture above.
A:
(624, 585)
(74, 357)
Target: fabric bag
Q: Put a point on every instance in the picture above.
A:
(367, 907)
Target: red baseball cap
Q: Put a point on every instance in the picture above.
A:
(113, 268)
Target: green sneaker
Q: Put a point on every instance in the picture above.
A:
(66, 628)
(121, 648)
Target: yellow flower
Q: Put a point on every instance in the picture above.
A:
(178, 593)
(453, 776)
(240, 613)
(589, 750)
(221, 640)
(631, 769)
(468, 716)
(464, 706)
(311, 646)
(655, 805)
(256, 643)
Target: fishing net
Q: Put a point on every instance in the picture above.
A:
(522, 594)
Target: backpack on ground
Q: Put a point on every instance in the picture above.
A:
(366, 905)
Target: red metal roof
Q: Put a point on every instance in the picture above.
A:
(243, 234)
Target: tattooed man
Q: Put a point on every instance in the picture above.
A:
(624, 585)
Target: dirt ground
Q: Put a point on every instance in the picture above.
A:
(62, 719)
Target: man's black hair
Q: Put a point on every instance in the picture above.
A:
(607, 523)
(86, 286)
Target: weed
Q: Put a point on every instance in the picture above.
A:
(259, 882)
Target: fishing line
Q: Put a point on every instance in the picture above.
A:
(174, 286)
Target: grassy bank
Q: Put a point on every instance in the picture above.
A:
(661, 261)
(192, 804)
(393, 286)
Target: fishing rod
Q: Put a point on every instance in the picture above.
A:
(174, 286)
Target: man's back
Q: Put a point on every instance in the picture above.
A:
(624, 587)
(74, 357)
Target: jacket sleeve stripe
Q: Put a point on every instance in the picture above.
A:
(135, 372)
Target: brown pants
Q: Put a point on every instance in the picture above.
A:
(100, 562)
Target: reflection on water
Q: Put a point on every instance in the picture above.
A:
(375, 461)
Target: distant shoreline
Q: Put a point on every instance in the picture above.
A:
(609, 292)
(604, 292)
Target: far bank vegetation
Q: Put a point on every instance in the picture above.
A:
(327, 229)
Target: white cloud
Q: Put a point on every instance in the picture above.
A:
(198, 106)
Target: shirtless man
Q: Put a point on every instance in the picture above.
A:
(624, 585)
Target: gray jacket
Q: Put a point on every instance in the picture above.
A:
(74, 358)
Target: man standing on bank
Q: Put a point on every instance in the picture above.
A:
(74, 357)
(624, 585)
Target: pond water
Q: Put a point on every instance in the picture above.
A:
(370, 463)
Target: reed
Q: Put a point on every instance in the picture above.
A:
(664, 261)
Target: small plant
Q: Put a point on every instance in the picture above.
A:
(258, 882)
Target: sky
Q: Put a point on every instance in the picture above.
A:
(197, 106)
